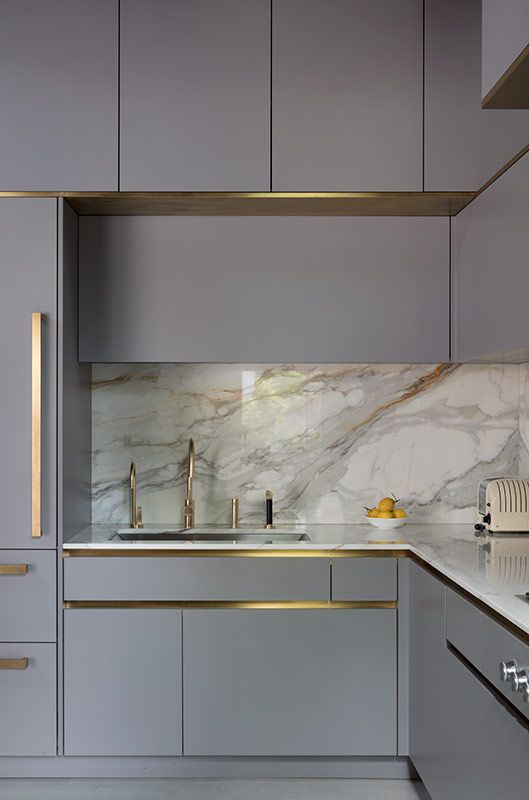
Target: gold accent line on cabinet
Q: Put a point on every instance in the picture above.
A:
(295, 605)
(128, 552)
(36, 425)
(14, 663)
(13, 569)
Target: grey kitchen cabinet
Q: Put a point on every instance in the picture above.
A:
(269, 289)
(58, 92)
(28, 264)
(505, 37)
(196, 579)
(122, 682)
(28, 699)
(486, 743)
(364, 579)
(427, 678)
(464, 145)
(490, 280)
(347, 95)
(195, 95)
(28, 592)
(289, 682)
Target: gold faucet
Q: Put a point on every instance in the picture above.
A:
(189, 504)
(135, 510)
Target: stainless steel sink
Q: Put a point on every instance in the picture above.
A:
(216, 535)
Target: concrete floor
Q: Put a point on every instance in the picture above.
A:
(168, 789)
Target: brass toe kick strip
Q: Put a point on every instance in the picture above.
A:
(13, 569)
(256, 604)
(14, 663)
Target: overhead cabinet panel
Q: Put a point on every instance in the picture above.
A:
(195, 95)
(58, 94)
(347, 95)
(464, 145)
(505, 40)
(221, 289)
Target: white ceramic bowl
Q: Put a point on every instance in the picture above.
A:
(387, 524)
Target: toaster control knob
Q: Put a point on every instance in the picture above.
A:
(508, 671)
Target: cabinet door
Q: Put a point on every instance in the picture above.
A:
(347, 95)
(486, 745)
(289, 682)
(271, 290)
(28, 690)
(427, 678)
(195, 95)
(28, 265)
(464, 145)
(58, 94)
(490, 241)
(122, 682)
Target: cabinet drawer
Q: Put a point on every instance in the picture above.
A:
(464, 627)
(364, 579)
(27, 596)
(500, 645)
(196, 578)
(28, 700)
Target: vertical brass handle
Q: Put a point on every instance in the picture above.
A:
(14, 663)
(36, 425)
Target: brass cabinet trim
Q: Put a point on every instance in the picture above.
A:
(14, 569)
(118, 552)
(14, 663)
(36, 425)
(299, 605)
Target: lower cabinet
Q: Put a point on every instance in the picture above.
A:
(123, 682)
(28, 703)
(289, 682)
(427, 678)
(486, 744)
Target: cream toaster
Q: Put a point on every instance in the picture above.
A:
(503, 505)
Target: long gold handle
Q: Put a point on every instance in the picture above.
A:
(36, 425)
(13, 569)
(14, 663)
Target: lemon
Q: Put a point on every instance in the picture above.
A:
(399, 513)
(385, 514)
(386, 504)
(372, 512)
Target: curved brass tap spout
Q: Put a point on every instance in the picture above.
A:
(189, 504)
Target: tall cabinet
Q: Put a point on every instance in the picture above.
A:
(28, 361)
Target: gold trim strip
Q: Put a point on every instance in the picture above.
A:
(13, 569)
(14, 663)
(36, 425)
(119, 552)
(298, 605)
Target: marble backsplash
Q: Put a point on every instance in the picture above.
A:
(327, 439)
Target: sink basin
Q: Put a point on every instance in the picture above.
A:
(216, 535)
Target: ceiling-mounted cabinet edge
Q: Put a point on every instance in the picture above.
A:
(347, 95)
(195, 95)
(264, 289)
(505, 54)
(59, 95)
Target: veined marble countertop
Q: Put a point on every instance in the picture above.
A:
(493, 569)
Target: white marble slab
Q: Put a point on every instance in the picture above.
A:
(327, 439)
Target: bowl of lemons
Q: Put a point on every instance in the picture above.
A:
(386, 515)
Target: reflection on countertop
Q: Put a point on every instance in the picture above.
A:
(493, 569)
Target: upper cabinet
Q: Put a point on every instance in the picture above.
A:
(269, 289)
(490, 242)
(505, 56)
(195, 95)
(464, 145)
(59, 95)
(347, 95)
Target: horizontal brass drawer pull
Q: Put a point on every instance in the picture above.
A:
(14, 569)
(122, 552)
(14, 663)
(256, 604)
